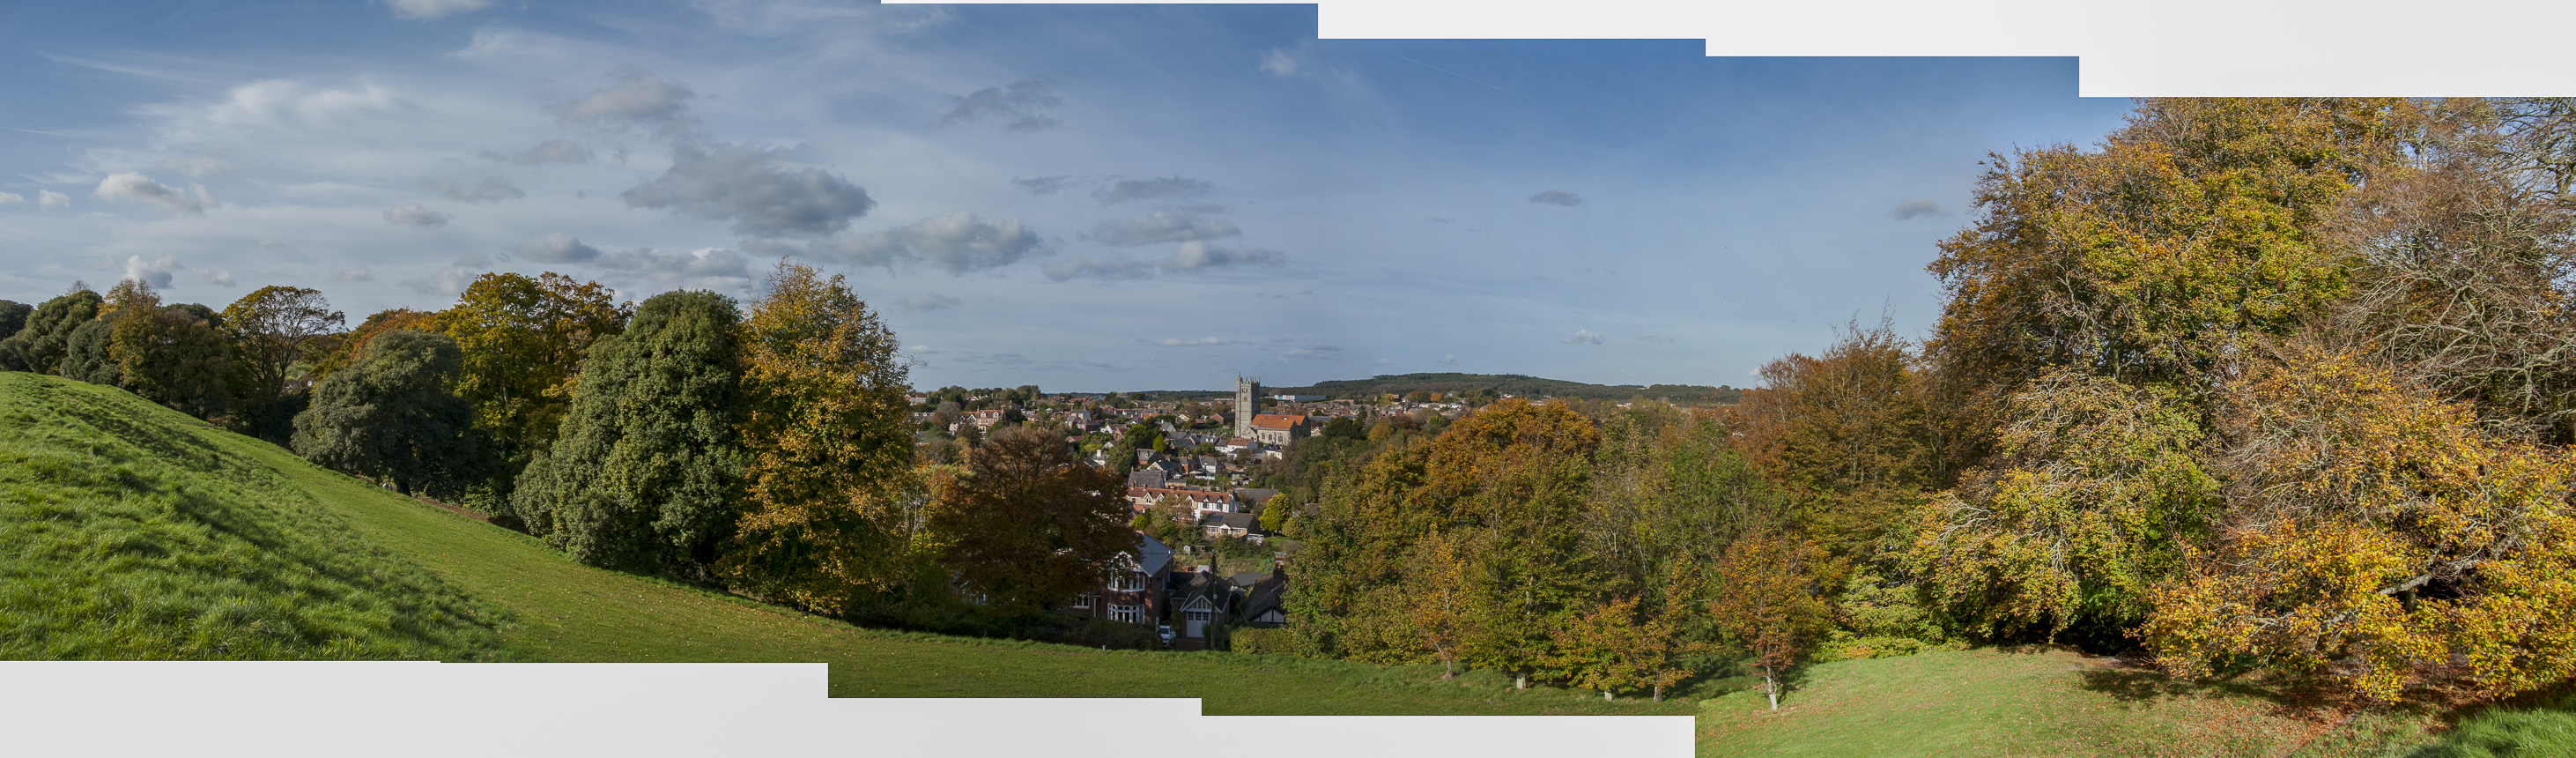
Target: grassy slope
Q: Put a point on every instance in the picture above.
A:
(1992, 702)
(542, 605)
(122, 537)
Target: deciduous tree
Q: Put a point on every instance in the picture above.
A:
(1027, 525)
(392, 417)
(1773, 598)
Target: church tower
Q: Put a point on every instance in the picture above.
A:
(1247, 402)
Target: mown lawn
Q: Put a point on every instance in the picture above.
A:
(250, 509)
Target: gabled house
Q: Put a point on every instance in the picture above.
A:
(1138, 590)
(1232, 525)
(1261, 604)
(1201, 601)
(1276, 429)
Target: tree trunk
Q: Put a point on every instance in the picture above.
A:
(1448, 669)
(1659, 693)
(1771, 687)
(1520, 682)
(1606, 696)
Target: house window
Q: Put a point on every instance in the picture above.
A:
(1128, 582)
(1198, 615)
(1127, 613)
(1083, 602)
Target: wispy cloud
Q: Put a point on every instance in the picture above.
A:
(1915, 208)
(1587, 337)
(1026, 105)
(1557, 197)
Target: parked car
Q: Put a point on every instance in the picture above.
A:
(1164, 631)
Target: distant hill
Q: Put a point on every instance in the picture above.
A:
(1508, 384)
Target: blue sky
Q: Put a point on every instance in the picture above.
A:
(1081, 197)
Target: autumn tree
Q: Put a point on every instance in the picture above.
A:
(392, 417)
(1442, 602)
(39, 346)
(1842, 436)
(1027, 525)
(829, 475)
(1626, 643)
(1509, 483)
(1773, 598)
(523, 341)
(179, 357)
(2376, 533)
(345, 348)
(647, 471)
(2094, 493)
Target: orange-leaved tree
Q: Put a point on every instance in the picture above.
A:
(1773, 599)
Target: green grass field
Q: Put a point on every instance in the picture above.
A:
(129, 531)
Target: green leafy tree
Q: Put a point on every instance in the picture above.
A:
(275, 328)
(178, 356)
(13, 317)
(647, 472)
(39, 347)
(89, 354)
(392, 417)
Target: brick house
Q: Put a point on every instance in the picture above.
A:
(1137, 593)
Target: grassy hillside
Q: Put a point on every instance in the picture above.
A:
(124, 537)
(192, 542)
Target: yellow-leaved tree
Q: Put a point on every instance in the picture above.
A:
(2376, 535)
(831, 500)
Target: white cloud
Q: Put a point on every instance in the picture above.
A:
(52, 199)
(423, 10)
(414, 216)
(638, 99)
(1557, 197)
(129, 185)
(958, 243)
(154, 270)
(490, 190)
(1200, 342)
(217, 277)
(1195, 255)
(1317, 352)
(704, 268)
(747, 185)
(929, 301)
(1022, 106)
(1165, 226)
(1449, 360)
(1278, 62)
(11, 197)
(1916, 207)
(1587, 337)
(266, 244)
(1188, 257)
(556, 247)
(444, 283)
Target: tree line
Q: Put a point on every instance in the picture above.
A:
(763, 447)
(2279, 385)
